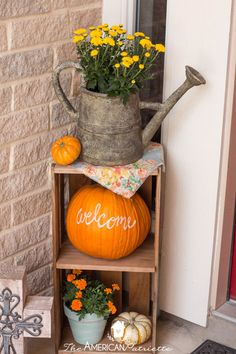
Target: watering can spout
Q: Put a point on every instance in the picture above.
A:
(193, 78)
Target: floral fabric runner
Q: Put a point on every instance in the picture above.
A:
(125, 180)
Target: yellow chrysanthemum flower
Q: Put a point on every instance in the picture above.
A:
(124, 54)
(146, 43)
(135, 58)
(147, 37)
(160, 47)
(80, 31)
(115, 28)
(94, 53)
(97, 41)
(126, 64)
(133, 82)
(112, 33)
(127, 61)
(109, 41)
(147, 55)
(121, 25)
(120, 43)
(105, 25)
(100, 26)
(141, 66)
(78, 39)
(130, 37)
(139, 34)
(96, 33)
(105, 29)
(121, 31)
(117, 65)
(92, 28)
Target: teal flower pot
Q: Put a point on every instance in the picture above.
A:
(89, 330)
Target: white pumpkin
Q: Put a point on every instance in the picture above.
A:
(131, 328)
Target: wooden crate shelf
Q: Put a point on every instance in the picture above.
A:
(137, 274)
(73, 169)
(142, 260)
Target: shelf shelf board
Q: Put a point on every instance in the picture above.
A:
(141, 260)
(102, 347)
(73, 169)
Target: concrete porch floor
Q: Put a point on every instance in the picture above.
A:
(182, 336)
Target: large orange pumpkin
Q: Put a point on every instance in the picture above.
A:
(66, 150)
(103, 224)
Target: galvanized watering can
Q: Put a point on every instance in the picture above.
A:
(110, 132)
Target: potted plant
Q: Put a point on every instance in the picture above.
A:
(114, 67)
(87, 303)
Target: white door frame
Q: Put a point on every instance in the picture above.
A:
(223, 239)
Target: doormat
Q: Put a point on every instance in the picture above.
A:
(210, 347)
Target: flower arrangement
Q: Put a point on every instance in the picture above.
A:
(87, 296)
(115, 63)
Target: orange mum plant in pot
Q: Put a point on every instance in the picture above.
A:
(87, 303)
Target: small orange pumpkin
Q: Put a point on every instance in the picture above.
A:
(65, 150)
(103, 224)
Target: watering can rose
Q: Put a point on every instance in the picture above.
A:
(103, 224)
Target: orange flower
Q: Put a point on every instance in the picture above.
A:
(115, 287)
(70, 277)
(80, 284)
(78, 295)
(111, 307)
(77, 271)
(76, 305)
(108, 291)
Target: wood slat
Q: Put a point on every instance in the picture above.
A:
(139, 293)
(109, 278)
(71, 169)
(141, 260)
(57, 229)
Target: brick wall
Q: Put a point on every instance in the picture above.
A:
(35, 35)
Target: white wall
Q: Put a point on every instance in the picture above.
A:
(197, 35)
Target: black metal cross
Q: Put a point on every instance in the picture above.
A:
(12, 326)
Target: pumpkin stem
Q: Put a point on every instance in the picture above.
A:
(62, 144)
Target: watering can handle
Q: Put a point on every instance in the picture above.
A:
(58, 89)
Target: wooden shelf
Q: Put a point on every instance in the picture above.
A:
(141, 260)
(67, 338)
(73, 169)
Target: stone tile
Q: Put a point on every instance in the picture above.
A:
(3, 37)
(59, 115)
(84, 3)
(16, 8)
(39, 148)
(25, 64)
(85, 18)
(30, 207)
(36, 257)
(5, 219)
(24, 236)
(5, 99)
(21, 182)
(4, 159)
(38, 30)
(39, 91)
(22, 124)
(66, 51)
(39, 280)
